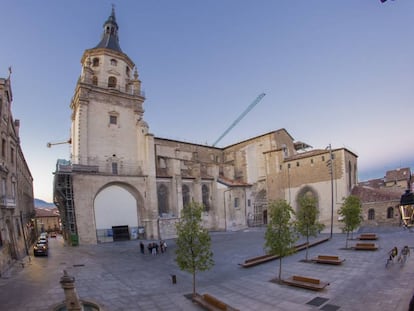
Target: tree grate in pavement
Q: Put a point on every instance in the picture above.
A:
(317, 301)
(329, 307)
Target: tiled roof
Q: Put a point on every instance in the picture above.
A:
(47, 212)
(368, 194)
(373, 183)
(307, 154)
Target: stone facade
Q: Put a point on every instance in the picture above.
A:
(17, 229)
(379, 206)
(47, 220)
(123, 182)
(381, 197)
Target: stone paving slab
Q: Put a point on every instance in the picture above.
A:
(119, 277)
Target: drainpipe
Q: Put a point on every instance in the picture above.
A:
(225, 213)
(158, 228)
(245, 205)
(24, 234)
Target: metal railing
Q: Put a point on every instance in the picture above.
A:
(7, 202)
(109, 167)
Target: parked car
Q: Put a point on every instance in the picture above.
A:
(53, 234)
(40, 249)
(43, 241)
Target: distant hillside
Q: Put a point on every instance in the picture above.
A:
(43, 204)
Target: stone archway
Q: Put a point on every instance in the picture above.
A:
(116, 212)
(259, 216)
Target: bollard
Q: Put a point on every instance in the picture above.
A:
(174, 278)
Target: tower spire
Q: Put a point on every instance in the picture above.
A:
(110, 38)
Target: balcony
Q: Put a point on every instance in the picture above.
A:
(7, 202)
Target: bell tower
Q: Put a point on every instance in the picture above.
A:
(107, 128)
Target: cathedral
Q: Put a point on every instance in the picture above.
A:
(122, 182)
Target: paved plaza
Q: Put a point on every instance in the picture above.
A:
(118, 277)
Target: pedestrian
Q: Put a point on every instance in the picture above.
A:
(154, 249)
(393, 253)
(149, 248)
(405, 252)
(162, 246)
(165, 246)
(142, 247)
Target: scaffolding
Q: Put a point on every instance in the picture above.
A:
(63, 199)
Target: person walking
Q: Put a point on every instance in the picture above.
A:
(405, 252)
(392, 254)
(142, 247)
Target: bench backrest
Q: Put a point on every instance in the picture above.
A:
(305, 279)
(365, 244)
(324, 257)
(256, 258)
(215, 302)
(368, 234)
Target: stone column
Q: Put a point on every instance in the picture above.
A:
(71, 297)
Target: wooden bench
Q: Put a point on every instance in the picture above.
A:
(366, 246)
(333, 260)
(265, 258)
(258, 260)
(368, 236)
(305, 282)
(211, 303)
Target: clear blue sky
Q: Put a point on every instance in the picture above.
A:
(339, 72)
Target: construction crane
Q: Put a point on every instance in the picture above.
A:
(251, 106)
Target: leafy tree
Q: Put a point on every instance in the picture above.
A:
(280, 234)
(307, 219)
(193, 242)
(351, 215)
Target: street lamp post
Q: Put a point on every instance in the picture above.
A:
(332, 190)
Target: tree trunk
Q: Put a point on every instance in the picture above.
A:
(280, 270)
(307, 247)
(194, 286)
(347, 235)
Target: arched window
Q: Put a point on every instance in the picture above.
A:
(162, 199)
(114, 168)
(95, 62)
(186, 195)
(111, 81)
(355, 173)
(113, 62)
(371, 214)
(95, 80)
(390, 212)
(206, 197)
